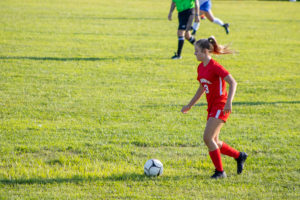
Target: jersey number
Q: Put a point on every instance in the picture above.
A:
(206, 88)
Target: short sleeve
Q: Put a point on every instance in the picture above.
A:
(220, 71)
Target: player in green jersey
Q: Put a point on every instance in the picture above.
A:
(187, 11)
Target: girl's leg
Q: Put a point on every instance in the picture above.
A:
(210, 16)
(213, 127)
(229, 151)
(219, 142)
(212, 130)
(225, 149)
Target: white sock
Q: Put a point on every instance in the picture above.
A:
(196, 25)
(218, 21)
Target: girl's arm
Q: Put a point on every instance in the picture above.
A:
(232, 88)
(194, 100)
(172, 7)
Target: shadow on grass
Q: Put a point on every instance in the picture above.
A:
(54, 58)
(133, 18)
(78, 179)
(71, 58)
(265, 103)
(123, 18)
(255, 103)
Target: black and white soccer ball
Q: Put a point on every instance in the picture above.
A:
(153, 167)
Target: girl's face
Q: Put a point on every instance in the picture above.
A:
(200, 53)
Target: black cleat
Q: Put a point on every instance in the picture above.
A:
(226, 26)
(240, 162)
(176, 57)
(218, 175)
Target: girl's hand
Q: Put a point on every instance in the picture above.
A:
(185, 109)
(227, 108)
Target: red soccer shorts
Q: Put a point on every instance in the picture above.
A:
(217, 112)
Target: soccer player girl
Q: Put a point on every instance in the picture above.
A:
(187, 11)
(205, 9)
(213, 78)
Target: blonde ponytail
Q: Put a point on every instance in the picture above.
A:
(213, 47)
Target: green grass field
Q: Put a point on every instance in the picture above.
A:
(89, 94)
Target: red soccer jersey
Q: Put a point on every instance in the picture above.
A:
(211, 78)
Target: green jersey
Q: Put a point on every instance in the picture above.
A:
(182, 5)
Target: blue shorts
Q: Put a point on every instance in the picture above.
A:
(206, 6)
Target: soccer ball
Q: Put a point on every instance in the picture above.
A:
(153, 167)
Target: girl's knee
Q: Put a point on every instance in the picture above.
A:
(220, 144)
(209, 16)
(207, 140)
